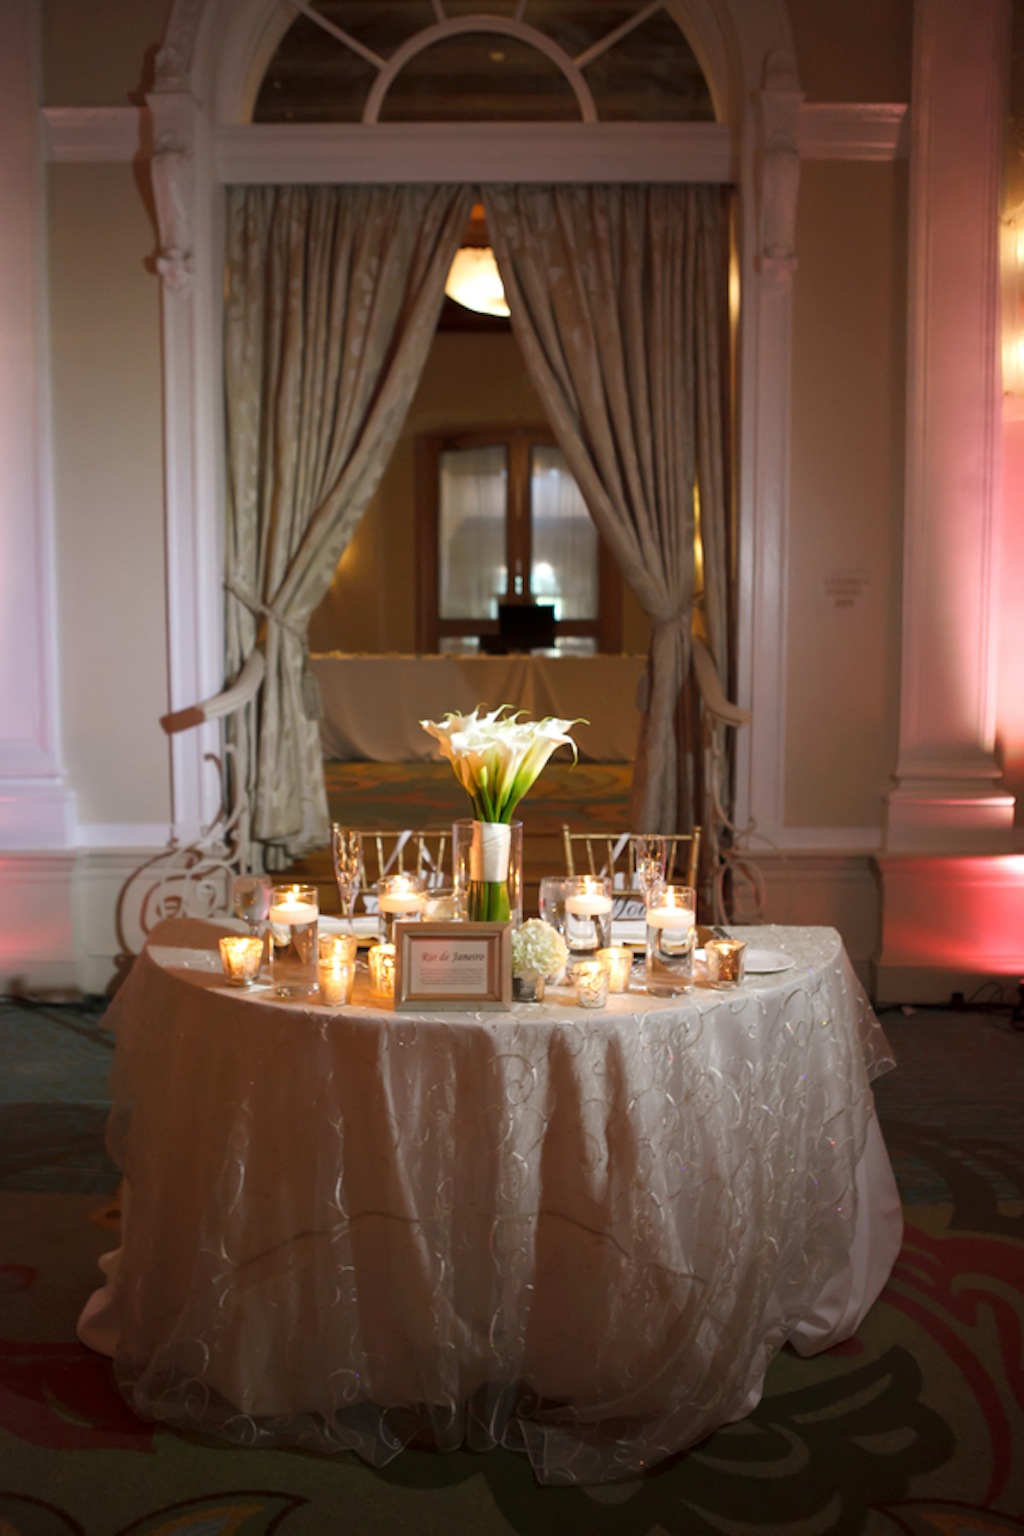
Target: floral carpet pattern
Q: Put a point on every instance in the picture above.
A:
(913, 1428)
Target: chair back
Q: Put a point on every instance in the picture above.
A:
(614, 854)
(414, 851)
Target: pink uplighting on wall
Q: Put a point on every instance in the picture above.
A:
(1010, 692)
(957, 914)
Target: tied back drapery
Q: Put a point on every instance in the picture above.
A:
(332, 298)
(617, 297)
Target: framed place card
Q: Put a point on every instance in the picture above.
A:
(446, 966)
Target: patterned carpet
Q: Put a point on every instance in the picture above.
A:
(916, 1426)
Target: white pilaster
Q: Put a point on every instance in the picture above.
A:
(946, 797)
(185, 193)
(36, 807)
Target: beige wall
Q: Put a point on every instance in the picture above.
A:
(470, 379)
(846, 494)
(99, 53)
(108, 493)
(853, 50)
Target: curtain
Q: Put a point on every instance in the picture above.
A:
(332, 298)
(618, 297)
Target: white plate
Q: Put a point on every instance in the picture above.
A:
(761, 962)
(363, 927)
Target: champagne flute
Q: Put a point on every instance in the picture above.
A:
(650, 858)
(347, 857)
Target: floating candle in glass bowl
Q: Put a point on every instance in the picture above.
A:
(241, 956)
(398, 897)
(618, 960)
(590, 978)
(294, 913)
(588, 914)
(671, 919)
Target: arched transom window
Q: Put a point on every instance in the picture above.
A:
(482, 60)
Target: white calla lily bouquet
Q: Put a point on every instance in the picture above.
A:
(497, 756)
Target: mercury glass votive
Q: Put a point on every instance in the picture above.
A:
(382, 971)
(590, 978)
(339, 946)
(725, 960)
(336, 977)
(618, 959)
(241, 956)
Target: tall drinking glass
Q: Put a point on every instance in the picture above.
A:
(671, 939)
(588, 915)
(347, 858)
(399, 899)
(294, 914)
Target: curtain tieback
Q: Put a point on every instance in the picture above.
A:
(265, 610)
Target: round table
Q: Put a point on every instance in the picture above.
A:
(581, 1234)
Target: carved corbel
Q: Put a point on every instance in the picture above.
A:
(780, 103)
(172, 172)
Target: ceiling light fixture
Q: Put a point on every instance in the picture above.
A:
(473, 281)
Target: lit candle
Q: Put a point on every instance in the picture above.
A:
(291, 909)
(241, 956)
(671, 917)
(618, 960)
(401, 901)
(725, 960)
(335, 977)
(338, 946)
(382, 970)
(590, 978)
(591, 899)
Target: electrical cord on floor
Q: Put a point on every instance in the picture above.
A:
(990, 998)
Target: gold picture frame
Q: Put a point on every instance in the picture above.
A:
(446, 967)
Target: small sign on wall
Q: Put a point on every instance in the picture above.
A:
(844, 590)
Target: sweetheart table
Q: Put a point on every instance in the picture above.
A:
(580, 1234)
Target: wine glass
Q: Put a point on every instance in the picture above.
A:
(250, 900)
(347, 856)
(650, 857)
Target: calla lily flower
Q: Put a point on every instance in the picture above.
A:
(497, 756)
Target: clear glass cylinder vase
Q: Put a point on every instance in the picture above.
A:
(487, 860)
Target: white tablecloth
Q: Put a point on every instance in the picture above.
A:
(372, 705)
(580, 1234)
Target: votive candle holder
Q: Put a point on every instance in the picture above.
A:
(336, 977)
(241, 956)
(725, 962)
(382, 971)
(338, 946)
(590, 978)
(618, 959)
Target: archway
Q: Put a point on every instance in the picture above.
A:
(214, 56)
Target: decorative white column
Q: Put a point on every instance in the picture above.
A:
(771, 179)
(37, 810)
(946, 798)
(185, 194)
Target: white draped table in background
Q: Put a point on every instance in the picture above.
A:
(372, 705)
(582, 1234)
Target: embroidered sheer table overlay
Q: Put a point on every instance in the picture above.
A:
(580, 1234)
